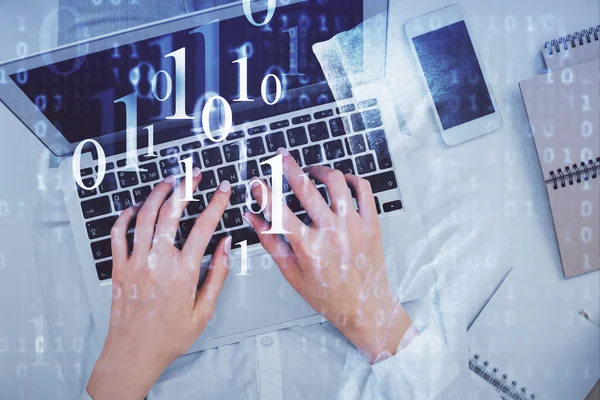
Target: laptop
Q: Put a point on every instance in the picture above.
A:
(67, 95)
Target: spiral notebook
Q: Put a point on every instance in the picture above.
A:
(576, 48)
(528, 347)
(563, 109)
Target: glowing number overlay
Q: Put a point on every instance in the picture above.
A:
(270, 12)
(243, 80)
(77, 164)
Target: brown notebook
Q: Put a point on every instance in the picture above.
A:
(564, 113)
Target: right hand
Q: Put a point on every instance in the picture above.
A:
(337, 263)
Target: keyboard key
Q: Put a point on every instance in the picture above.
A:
(121, 163)
(238, 195)
(209, 196)
(334, 150)
(169, 151)
(127, 179)
(151, 173)
(209, 142)
(285, 186)
(169, 166)
(377, 205)
(122, 200)
(186, 227)
(365, 164)
(104, 270)
(392, 206)
(232, 218)
(275, 141)
(208, 181)
(109, 166)
(228, 173)
(247, 234)
(366, 120)
(100, 227)
(191, 146)
(279, 124)
(212, 157)
(109, 183)
(96, 207)
(83, 193)
(345, 166)
(301, 119)
(101, 249)
(367, 103)
(141, 194)
(255, 147)
(382, 182)
(249, 170)
(355, 144)
(297, 136)
(323, 114)
(347, 108)
(378, 142)
(195, 160)
(296, 155)
(338, 126)
(266, 168)
(312, 154)
(304, 218)
(145, 158)
(231, 152)
(323, 192)
(318, 131)
(293, 203)
(257, 129)
(86, 171)
(196, 207)
(236, 135)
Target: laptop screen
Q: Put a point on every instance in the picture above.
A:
(80, 103)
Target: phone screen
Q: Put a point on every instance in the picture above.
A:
(453, 75)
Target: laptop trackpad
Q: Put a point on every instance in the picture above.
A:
(259, 300)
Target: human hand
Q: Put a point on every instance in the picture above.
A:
(157, 310)
(337, 263)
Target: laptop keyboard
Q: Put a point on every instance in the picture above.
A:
(349, 138)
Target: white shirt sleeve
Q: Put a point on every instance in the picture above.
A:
(85, 396)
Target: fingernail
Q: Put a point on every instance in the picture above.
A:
(227, 245)
(225, 186)
(283, 151)
(170, 179)
(196, 172)
(248, 220)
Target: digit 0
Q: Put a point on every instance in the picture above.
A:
(270, 12)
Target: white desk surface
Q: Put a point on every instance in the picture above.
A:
(502, 166)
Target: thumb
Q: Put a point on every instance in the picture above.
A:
(206, 299)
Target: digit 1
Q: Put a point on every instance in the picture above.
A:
(39, 341)
(179, 57)
(210, 33)
(276, 164)
(293, 32)
(77, 164)
(150, 130)
(189, 180)
(244, 268)
(243, 69)
(130, 102)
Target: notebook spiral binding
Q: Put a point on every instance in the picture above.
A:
(574, 174)
(507, 390)
(575, 39)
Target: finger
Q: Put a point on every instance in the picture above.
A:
(279, 249)
(341, 198)
(364, 196)
(118, 236)
(171, 210)
(206, 224)
(304, 189)
(292, 226)
(206, 299)
(146, 220)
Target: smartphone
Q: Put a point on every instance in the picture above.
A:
(459, 90)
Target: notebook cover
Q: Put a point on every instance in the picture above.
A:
(527, 335)
(569, 51)
(564, 113)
